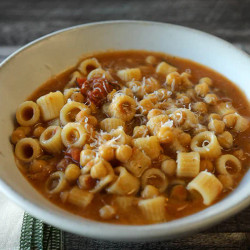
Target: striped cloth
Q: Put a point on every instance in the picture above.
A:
(37, 235)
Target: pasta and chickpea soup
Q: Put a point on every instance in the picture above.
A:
(134, 137)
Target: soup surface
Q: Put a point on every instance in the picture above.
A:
(134, 137)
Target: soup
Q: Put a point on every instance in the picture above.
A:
(134, 137)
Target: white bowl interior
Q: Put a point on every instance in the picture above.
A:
(21, 74)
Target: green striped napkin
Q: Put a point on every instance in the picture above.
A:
(37, 235)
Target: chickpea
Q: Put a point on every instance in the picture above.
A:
(151, 60)
(183, 99)
(123, 153)
(140, 131)
(206, 165)
(82, 115)
(86, 156)
(216, 126)
(179, 193)
(92, 120)
(185, 79)
(179, 117)
(107, 212)
(173, 79)
(149, 192)
(225, 139)
(152, 97)
(154, 112)
(17, 135)
(26, 130)
(106, 137)
(107, 152)
(165, 135)
(191, 93)
(72, 172)
(211, 99)
(38, 131)
(98, 171)
(77, 97)
(214, 116)
(169, 167)
(200, 107)
(201, 89)
(241, 124)
(230, 120)
(185, 139)
(163, 157)
(239, 154)
(207, 80)
(86, 182)
(145, 106)
(37, 166)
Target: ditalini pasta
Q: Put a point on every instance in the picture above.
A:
(134, 137)
(28, 113)
(207, 185)
(51, 140)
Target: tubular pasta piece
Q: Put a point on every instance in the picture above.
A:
(111, 123)
(125, 184)
(74, 134)
(221, 164)
(68, 92)
(51, 140)
(155, 123)
(130, 74)
(28, 113)
(56, 183)
(138, 162)
(153, 209)
(120, 137)
(123, 107)
(150, 145)
(154, 177)
(206, 144)
(224, 108)
(188, 164)
(125, 203)
(184, 118)
(99, 73)
(104, 180)
(89, 65)
(207, 185)
(165, 68)
(72, 82)
(79, 197)
(70, 110)
(27, 149)
(50, 105)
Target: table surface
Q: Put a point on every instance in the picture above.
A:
(24, 21)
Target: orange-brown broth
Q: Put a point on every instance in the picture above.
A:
(128, 59)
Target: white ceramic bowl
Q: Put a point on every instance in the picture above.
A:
(26, 69)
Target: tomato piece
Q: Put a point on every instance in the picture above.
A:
(74, 153)
(80, 81)
(97, 89)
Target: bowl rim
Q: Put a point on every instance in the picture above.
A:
(186, 225)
